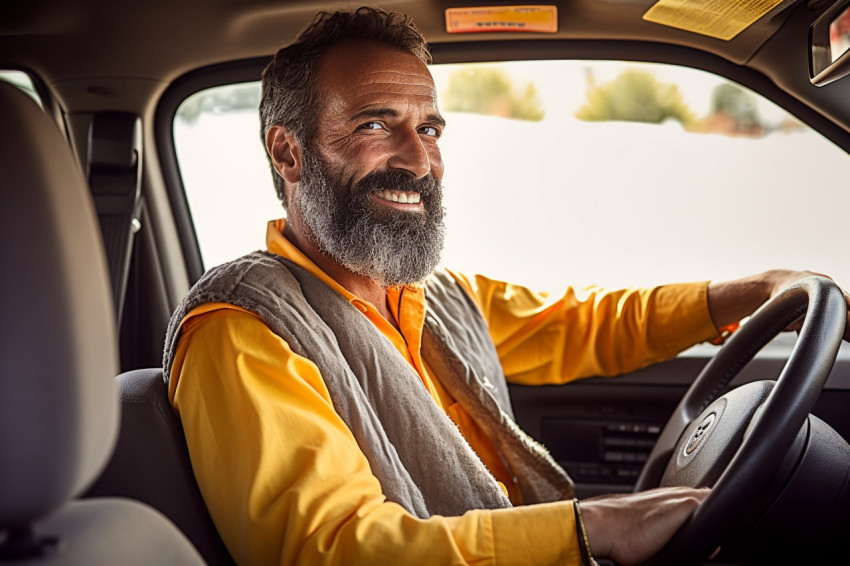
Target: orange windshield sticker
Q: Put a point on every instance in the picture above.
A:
(540, 19)
(723, 19)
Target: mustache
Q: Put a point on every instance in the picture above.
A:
(427, 186)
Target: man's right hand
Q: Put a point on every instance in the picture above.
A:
(631, 528)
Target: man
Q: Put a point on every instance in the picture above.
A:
(338, 409)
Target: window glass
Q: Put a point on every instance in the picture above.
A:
(839, 34)
(572, 172)
(225, 172)
(21, 80)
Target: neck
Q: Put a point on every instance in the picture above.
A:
(364, 288)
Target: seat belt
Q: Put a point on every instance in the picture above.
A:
(114, 175)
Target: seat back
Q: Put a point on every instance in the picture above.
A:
(58, 405)
(58, 355)
(151, 463)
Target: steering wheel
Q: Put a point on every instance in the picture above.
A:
(737, 442)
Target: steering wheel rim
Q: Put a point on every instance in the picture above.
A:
(782, 414)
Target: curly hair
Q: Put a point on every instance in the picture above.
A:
(289, 97)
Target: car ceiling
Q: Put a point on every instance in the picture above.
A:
(102, 54)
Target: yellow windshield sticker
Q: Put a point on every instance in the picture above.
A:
(541, 19)
(723, 19)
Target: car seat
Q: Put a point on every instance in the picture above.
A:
(151, 463)
(58, 355)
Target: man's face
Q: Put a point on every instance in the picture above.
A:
(369, 190)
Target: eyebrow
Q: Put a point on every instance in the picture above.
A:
(391, 113)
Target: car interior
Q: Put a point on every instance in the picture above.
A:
(123, 128)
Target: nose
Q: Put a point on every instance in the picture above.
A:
(410, 154)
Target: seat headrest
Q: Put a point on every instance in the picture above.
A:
(58, 347)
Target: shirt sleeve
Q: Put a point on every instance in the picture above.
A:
(285, 481)
(587, 333)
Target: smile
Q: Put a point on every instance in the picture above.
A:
(401, 197)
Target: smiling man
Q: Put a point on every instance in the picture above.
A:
(344, 401)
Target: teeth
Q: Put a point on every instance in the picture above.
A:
(402, 197)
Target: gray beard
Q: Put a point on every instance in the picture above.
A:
(389, 246)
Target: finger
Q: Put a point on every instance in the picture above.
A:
(796, 325)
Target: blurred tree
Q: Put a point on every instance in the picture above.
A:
(490, 91)
(634, 96)
(219, 100)
(734, 110)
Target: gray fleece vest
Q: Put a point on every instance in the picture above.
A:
(420, 458)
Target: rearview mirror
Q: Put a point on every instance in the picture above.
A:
(829, 38)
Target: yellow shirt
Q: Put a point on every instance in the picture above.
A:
(285, 480)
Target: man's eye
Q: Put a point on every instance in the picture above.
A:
(430, 131)
(370, 126)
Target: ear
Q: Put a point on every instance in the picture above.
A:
(285, 153)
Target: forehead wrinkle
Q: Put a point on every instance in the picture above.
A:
(424, 75)
(409, 97)
(363, 98)
(390, 76)
(395, 78)
(390, 87)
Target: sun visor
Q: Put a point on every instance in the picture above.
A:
(721, 19)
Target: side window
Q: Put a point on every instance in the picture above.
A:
(225, 172)
(576, 172)
(23, 81)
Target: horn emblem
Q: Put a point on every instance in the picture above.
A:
(699, 434)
